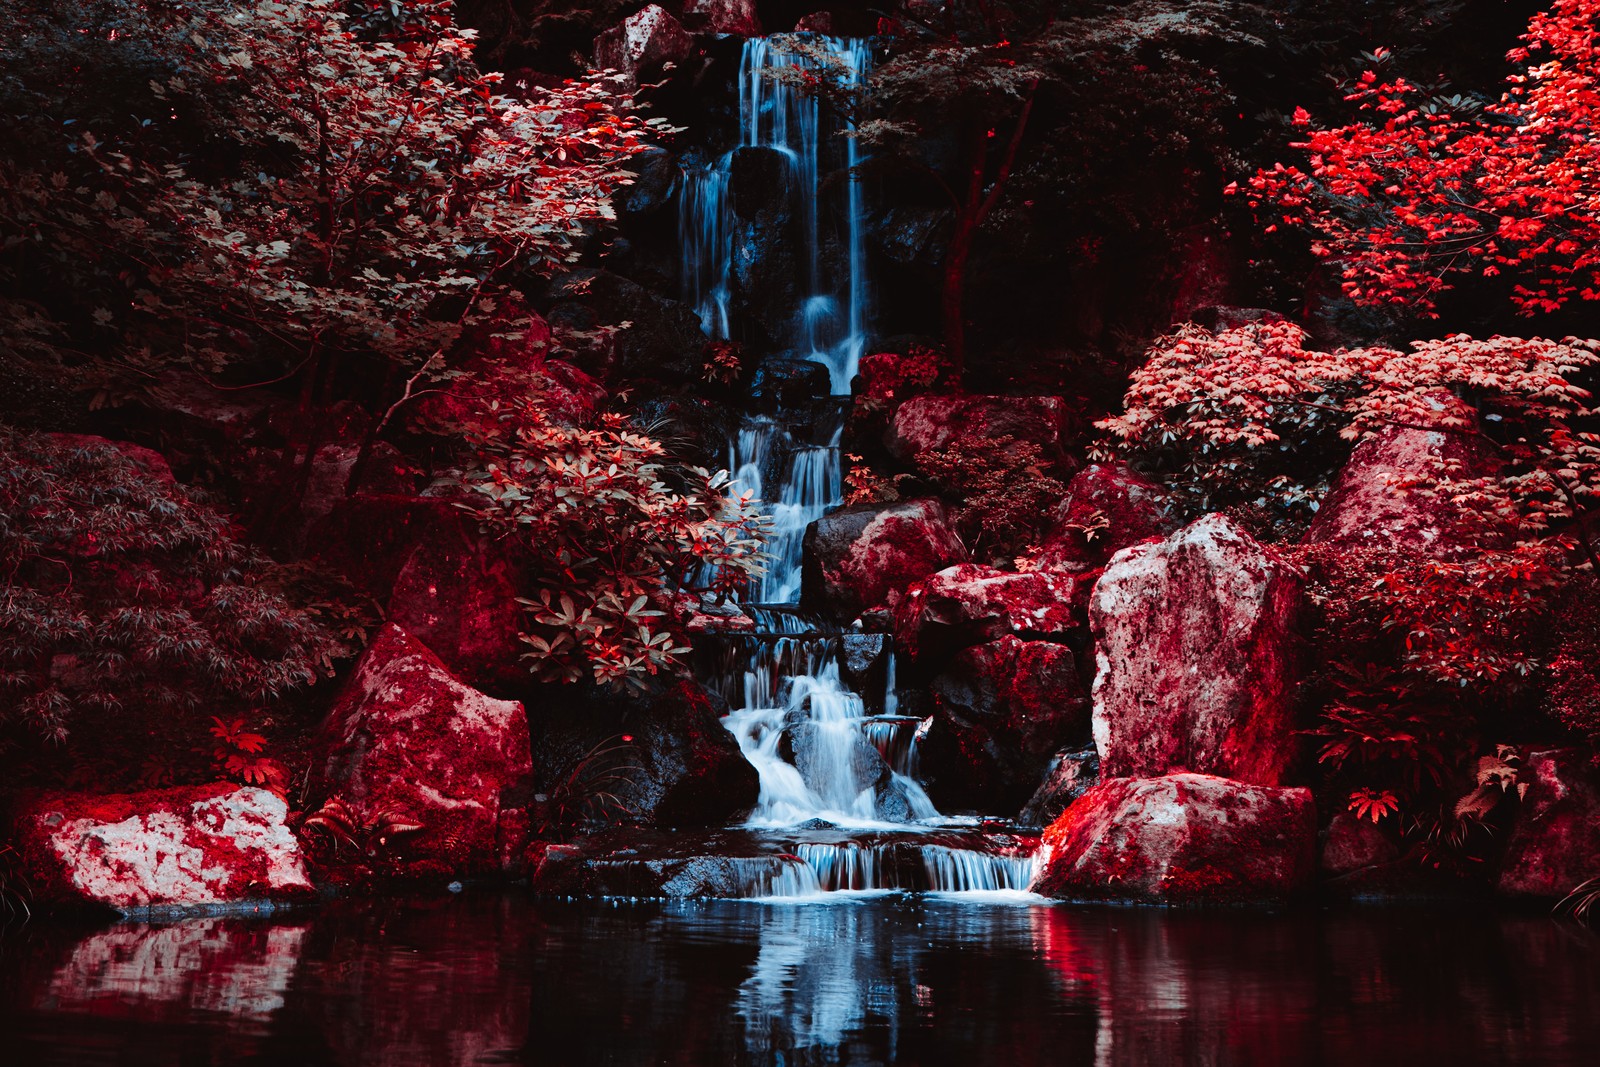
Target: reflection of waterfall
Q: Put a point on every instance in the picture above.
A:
(817, 979)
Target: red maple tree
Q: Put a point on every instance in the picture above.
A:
(1422, 191)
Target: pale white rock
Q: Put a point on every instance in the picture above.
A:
(174, 847)
(1195, 653)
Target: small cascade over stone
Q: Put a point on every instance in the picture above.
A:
(813, 709)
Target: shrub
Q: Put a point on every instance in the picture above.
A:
(612, 527)
(1422, 192)
(123, 594)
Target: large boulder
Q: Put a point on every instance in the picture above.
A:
(165, 848)
(936, 421)
(863, 556)
(1106, 509)
(969, 603)
(641, 46)
(1001, 710)
(664, 757)
(1196, 657)
(1555, 844)
(1381, 497)
(406, 744)
(1181, 839)
(737, 17)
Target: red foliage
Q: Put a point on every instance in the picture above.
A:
(1422, 191)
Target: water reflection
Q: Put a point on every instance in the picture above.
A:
(874, 980)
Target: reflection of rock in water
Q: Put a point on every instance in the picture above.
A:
(895, 980)
(430, 984)
(211, 965)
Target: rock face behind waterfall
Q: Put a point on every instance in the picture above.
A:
(678, 767)
(856, 557)
(1001, 711)
(1196, 657)
(407, 742)
(1181, 839)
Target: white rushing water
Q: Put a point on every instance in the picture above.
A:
(830, 322)
(820, 756)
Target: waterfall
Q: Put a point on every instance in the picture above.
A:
(820, 756)
(832, 317)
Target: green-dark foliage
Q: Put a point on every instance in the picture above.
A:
(122, 594)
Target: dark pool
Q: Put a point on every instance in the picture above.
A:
(500, 978)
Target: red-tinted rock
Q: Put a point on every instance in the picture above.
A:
(1181, 839)
(1106, 509)
(192, 845)
(973, 423)
(643, 44)
(1378, 499)
(1555, 843)
(816, 22)
(1353, 844)
(408, 743)
(969, 603)
(863, 556)
(1196, 657)
(457, 593)
(1071, 775)
(737, 17)
(1002, 709)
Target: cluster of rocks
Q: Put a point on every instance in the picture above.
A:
(1179, 774)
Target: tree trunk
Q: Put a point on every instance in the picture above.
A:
(952, 304)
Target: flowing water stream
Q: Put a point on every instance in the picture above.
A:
(825, 762)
